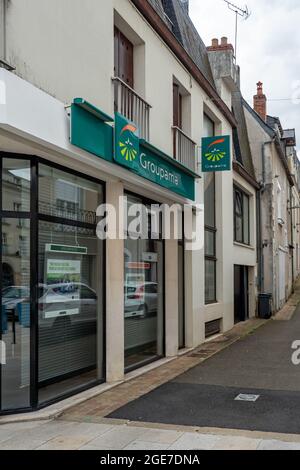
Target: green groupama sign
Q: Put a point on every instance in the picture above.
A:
(117, 141)
(216, 154)
(145, 160)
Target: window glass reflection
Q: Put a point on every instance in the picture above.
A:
(15, 310)
(69, 309)
(67, 196)
(15, 185)
(143, 301)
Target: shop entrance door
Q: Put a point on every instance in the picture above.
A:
(143, 302)
(241, 296)
(181, 306)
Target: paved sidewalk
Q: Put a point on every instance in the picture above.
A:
(85, 426)
(104, 404)
(259, 364)
(64, 435)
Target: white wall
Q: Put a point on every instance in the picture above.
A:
(66, 50)
(275, 197)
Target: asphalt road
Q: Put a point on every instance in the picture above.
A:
(259, 364)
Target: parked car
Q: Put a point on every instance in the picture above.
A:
(140, 299)
(75, 301)
(12, 296)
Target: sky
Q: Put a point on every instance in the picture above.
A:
(268, 50)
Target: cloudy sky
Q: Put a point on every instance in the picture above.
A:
(268, 49)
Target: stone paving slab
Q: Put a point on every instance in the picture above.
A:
(60, 435)
(104, 404)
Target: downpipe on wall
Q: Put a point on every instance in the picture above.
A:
(3, 36)
(292, 239)
(260, 255)
(3, 30)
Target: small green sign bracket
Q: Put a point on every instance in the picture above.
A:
(78, 250)
(145, 160)
(216, 154)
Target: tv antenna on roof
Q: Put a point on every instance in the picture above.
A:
(243, 13)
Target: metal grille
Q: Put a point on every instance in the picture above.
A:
(184, 149)
(212, 328)
(132, 106)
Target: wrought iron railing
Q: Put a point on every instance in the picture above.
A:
(132, 106)
(184, 149)
(77, 214)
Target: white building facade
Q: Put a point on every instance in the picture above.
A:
(78, 311)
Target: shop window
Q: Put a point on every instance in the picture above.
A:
(143, 297)
(241, 217)
(15, 313)
(16, 178)
(70, 309)
(66, 300)
(4, 239)
(70, 303)
(67, 196)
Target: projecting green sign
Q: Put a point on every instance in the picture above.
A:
(216, 154)
(92, 131)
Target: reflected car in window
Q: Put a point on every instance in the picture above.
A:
(75, 302)
(140, 299)
(12, 296)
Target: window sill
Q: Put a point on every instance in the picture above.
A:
(243, 245)
(5, 65)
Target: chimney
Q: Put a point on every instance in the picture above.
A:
(185, 4)
(223, 46)
(260, 102)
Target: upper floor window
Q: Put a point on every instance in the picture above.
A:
(280, 216)
(129, 80)
(184, 148)
(177, 106)
(241, 216)
(210, 224)
(123, 62)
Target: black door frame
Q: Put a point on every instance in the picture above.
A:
(182, 243)
(147, 201)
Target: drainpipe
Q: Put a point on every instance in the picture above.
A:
(260, 254)
(2, 30)
(3, 36)
(292, 238)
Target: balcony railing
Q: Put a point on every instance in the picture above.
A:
(132, 106)
(184, 149)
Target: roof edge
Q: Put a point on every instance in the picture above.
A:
(266, 126)
(168, 37)
(241, 170)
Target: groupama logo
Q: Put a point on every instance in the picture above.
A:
(215, 154)
(127, 142)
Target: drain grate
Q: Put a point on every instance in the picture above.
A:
(247, 397)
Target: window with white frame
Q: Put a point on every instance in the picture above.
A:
(210, 225)
(241, 203)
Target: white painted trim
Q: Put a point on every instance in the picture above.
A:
(2, 30)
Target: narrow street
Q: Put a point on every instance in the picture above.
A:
(260, 364)
(197, 409)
